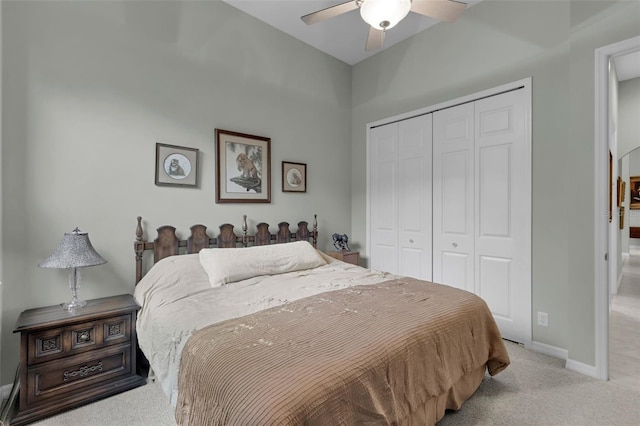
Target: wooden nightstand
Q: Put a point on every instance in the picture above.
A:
(69, 359)
(352, 257)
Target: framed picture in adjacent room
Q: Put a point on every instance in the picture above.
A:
(621, 190)
(294, 177)
(243, 165)
(176, 165)
(634, 192)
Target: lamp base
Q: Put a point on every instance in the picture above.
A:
(74, 304)
(75, 277)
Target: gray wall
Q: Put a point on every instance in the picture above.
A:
(493, 43)
(1, 256)
(90, 87)
(628, 113)
(628, 141)
(615, 265)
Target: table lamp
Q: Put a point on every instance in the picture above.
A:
(74, 252)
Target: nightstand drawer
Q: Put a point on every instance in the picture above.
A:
(58, 378)
(57, 343)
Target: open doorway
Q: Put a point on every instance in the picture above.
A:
(606, 247)
(624, 314)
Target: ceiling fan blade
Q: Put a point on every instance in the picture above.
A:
(443, 10)
(329, 12)
(375, 39)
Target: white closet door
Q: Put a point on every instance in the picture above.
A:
(415, 197)
(384, 197)
(453, 198)
(503, 206)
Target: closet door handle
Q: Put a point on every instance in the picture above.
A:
(455, 244)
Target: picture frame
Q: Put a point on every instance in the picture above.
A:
(634, 193)
(621, 189)
(243, 164)
(176, 165)
(610, 187)
(621, 218)
(294, 177)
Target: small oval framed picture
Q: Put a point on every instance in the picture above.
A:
(176, 165)
(294, 177)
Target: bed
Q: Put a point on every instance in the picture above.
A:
(264, 329)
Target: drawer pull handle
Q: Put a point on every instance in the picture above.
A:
(83, 371)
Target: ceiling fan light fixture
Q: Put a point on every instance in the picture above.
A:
(384, 14)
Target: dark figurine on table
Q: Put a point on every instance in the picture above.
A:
(341, 242)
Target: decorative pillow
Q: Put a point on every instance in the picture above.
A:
(227, 265)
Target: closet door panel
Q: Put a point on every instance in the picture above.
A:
(455, 179)
(455, 271)
(494, 190)
(415, 197)
(495, 284)
(384, 198)
(503, 203)
(453, 198)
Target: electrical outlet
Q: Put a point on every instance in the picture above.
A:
(543, 319)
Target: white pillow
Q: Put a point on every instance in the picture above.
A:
(227, 265)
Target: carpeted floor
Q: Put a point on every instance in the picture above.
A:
(537, 390)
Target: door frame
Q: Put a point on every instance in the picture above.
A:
(603, 247)
(525, 84)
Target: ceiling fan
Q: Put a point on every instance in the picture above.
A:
(382, 15)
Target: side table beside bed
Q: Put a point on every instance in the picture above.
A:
(70, 358)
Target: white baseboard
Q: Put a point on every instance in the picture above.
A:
(5, 391)
(616, 286)
(553, 351)
(614, 290)
(578, 367)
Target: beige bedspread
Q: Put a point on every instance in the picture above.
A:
(362, 355)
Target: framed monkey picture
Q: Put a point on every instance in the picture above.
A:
(243, 168)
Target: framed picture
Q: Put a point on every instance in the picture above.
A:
(243, 168)
(176, 165)
(610, 187)
(621, 189)
(621, 223)
(634, 193)
(294, 177)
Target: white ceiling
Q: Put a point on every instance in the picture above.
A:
(342, 37)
